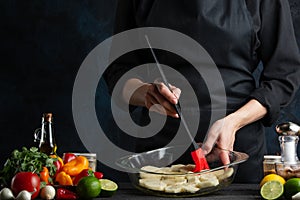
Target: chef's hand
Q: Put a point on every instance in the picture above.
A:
(222, 132)
(156, 96)
(161, 100)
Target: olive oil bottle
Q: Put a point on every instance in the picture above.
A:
(45, 135)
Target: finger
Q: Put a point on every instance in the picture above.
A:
(167, 93)
(224, 157)
(161, 107)
(160, 99)
(210, 141)
(176, 91)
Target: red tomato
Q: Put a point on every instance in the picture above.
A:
(98, 175)
(26, 181)
(68, 157)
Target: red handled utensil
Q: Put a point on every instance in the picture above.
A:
(197, 153)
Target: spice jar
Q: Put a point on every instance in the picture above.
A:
(269, 164)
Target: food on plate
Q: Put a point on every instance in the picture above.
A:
(180, 178)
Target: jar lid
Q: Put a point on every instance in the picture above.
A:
(272, 157)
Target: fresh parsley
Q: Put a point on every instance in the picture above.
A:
(26, 160)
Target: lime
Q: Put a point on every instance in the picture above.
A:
(88, 187)
(272, 177)
(291, 187)
(108, 187)
(271, 190)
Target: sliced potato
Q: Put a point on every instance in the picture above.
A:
(176, 168)
(153, 184)
(208, 183)
(192, 188)
(207, 177)
(187, 168)
(174, 189)
(180, 178)
(193, 179)
(227, 173)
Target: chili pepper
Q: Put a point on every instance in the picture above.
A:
(75, 166)
(44, 175)
(63, 179)
(83, 173)
(98, 175)
(63, 193)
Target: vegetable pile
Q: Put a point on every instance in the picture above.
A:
(29, 173)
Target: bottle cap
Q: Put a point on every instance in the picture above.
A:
(47, 117)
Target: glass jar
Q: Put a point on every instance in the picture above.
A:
(269, 164)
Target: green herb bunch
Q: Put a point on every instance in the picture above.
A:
(27, 160)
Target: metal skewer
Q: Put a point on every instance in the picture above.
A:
(176, 106)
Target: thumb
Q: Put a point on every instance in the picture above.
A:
(209, 142)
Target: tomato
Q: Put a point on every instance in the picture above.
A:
(98, 175)
(26, 181)
(68, 157)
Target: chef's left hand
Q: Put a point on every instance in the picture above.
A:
(222, 134)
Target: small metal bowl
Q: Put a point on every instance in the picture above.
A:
(159, 165)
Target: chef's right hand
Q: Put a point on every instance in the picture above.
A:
(160, 99)
(155, 96)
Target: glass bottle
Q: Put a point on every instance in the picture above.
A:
(47, 142)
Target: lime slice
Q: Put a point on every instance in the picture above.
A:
(272, 190)
(108, 187)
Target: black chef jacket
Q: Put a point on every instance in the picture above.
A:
(237, 34)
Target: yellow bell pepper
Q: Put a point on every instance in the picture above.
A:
(62, 178)
(75, 166)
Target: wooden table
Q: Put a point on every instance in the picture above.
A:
(232, 192)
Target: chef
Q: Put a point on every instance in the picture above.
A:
(238, 35)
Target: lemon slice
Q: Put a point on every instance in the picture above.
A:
(108, 187)
(272, 190)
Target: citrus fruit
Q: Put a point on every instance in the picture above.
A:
(88, 187)
(108, 187)
(272, 177)
(291, 187)
(272, 190)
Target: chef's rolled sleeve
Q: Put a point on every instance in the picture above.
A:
(280, 56)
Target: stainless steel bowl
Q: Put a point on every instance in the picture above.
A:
(157, 172)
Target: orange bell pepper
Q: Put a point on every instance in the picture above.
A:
(63, 179)
(75, 166)
(44, 175)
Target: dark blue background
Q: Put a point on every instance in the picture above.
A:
(43, 44)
